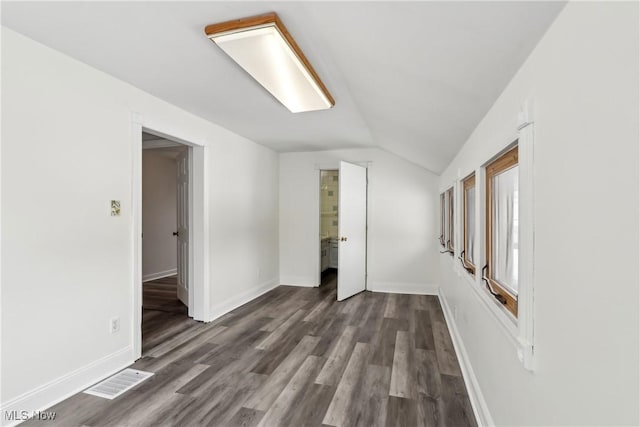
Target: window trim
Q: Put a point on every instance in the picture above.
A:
(467, 183)
(501, 164)
(451, 215)
(442, 222)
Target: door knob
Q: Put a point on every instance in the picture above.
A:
(343, 239)
(175, 233)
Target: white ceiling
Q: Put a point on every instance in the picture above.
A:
(413, 78)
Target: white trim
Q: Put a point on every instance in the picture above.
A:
(159, 275)
(199, 285)
(158, 143)
(61, 388)
(303, 282)
(404, 288)
(504, 319)
(520, 331)
(526, 239)
(136, 241)
(478, 403)
(200, 289)
(230, 304)
(190, 297)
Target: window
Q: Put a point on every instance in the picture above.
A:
(450, 221)
(446, 220)
(469, 223)
(502, 229)
(443, 225)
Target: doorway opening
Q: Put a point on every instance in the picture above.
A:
(166, 203)
(343, 228)
(329, 208)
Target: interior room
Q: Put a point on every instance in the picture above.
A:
(329, 205)
(320, 213)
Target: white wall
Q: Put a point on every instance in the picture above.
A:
(402, 252)
(159, 211)
(66, 263)
(583, 79)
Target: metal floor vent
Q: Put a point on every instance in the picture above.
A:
(119, 383)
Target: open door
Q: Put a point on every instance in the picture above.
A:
(352, 230)
(183, 226)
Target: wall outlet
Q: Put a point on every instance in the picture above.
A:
(114, 325)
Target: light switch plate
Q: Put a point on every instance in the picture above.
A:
(115, 208)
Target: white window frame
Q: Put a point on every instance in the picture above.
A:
(520, 331)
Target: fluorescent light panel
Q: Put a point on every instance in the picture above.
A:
(264, 49)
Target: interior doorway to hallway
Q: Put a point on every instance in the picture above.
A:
(165, 239)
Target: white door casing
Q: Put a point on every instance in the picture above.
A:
(352, 230)
(182, 205)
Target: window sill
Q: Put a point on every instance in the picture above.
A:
(507, 322)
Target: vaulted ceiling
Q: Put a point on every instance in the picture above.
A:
(412, 78)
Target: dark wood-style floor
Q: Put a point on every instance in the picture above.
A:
(293, 357)
(164, 316)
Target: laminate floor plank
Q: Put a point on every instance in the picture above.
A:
(372, 323)
(281, 330)
(291, 357)
(246, 417)
(290, 396)
(264, 398)
(423, 330)
(273, 357)
(370, 406)
(403, 412)
(385, 341)
(390, 309)
(223, 370)
(312, 407)
(222, 402)
(445, 353)
(427, 374)
(457, 406)
(162, 295)
(338, 412)
(332, 370)
(403, 380)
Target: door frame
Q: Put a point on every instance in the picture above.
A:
(331, 166)
(199, 292)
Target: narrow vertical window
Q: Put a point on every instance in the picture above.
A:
(502, 229)
(442, 220)
(450, 235)
(469, 223)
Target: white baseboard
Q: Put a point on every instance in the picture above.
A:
(224, 307)
(480, 408)
(61, 388)
(305, 282)
(403, 288)
(159, 275)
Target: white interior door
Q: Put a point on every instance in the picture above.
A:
(352, 230)
(183, 226)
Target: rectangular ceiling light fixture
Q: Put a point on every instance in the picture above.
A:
(263, 47)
